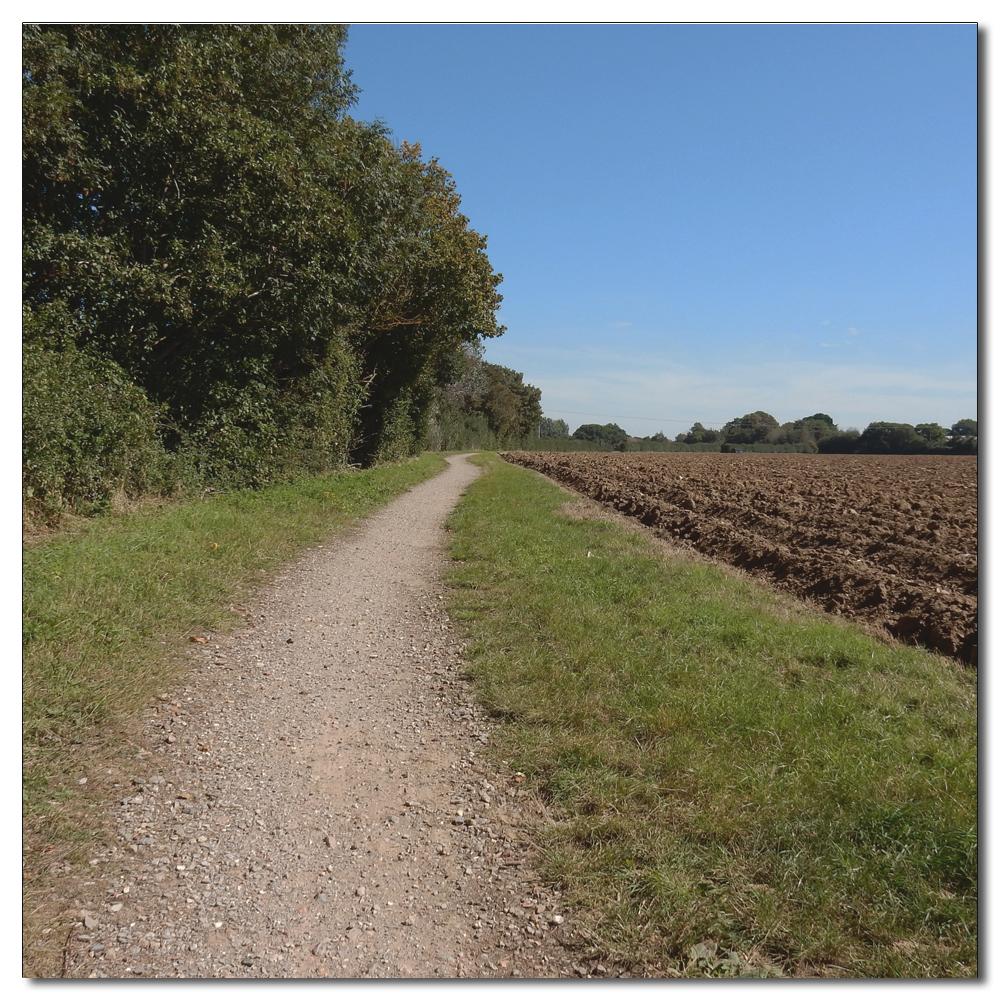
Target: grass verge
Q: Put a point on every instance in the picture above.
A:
(742, 787)
(108, 611)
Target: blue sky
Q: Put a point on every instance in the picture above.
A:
(697, 221)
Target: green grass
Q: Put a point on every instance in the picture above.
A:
(109, 610)
(98, 605)
(742, 786)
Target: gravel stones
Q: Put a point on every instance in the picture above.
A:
(291, 812)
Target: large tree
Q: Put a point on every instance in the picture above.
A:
(808, 430)
(700, 435)
(963, 436)
(887, 438)
(280, 279)
(606, 434)
(751, 428)
(432, 291)
(934, 434)
(548, 427)
(178, 196)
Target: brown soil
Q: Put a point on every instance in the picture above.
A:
(888, 540)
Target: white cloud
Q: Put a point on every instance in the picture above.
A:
(852, 331)
(621, 325)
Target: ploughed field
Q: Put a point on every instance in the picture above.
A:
(890, 540)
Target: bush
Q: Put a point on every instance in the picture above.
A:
(453, 430)
(843, 443)
(88, 432)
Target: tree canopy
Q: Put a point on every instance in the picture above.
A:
(547, 427)
(608, 434)
(751, 428)
(484, 405)
(700, 435)
(285, 285)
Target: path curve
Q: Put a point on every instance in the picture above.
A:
(314, 803)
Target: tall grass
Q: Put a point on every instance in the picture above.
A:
(741, 785)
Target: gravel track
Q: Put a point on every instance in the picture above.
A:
(315, 803)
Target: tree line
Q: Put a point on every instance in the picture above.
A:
(227, 279)
(761, 431)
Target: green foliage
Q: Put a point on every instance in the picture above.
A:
(87, 431)
(808, 430)
(886, 438)
(484, 406)
(433, 291)
(751, 428)
(512, 408)
(700, 435)
(964, 436)
(934, 434)
(191, 203)
(841, 443)
(284, 284)
(610, 435)
(735, 783)
(553, 428)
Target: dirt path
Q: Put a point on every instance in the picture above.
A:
(314, 803)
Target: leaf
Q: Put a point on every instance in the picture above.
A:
(704, 950)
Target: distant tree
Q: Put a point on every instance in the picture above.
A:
(885, 438)
(808, 430)
(751, 428)
(934, 434)
(700, 434)
(512, 408)
(607, 434)
(553, 428)
(483, 405)
(964, 436)
(841, 443)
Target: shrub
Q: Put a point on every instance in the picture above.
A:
(843, 443)
(88, 432)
